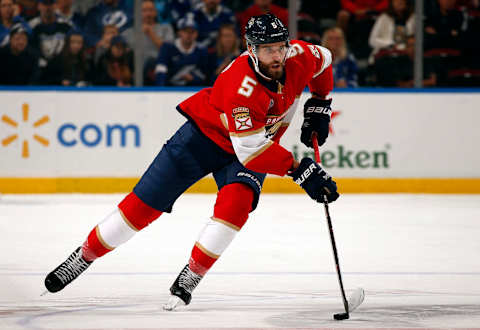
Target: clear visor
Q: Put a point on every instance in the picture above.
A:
(270, 50)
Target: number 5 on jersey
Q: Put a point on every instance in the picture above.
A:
(247, 86)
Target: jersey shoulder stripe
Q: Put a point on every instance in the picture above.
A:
(310, 56)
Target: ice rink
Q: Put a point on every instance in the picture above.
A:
(416, 256)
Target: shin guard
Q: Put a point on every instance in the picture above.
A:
(233, 204)
(131, 216)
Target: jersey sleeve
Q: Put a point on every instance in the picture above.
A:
(246, 117)
(322, 80)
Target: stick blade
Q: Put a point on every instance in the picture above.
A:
(341, 316)
(356, 299)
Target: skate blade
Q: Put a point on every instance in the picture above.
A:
(173, 303)
(44, 293)
(356, 299)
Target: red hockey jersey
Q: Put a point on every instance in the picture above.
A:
(246, 115)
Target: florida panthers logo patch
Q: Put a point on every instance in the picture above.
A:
(242, 118)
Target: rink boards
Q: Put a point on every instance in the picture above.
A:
(102, 140)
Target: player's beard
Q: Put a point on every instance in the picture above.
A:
(270, 71)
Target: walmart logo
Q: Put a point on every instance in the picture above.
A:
(70, 134)
(92, 135)
(25, 118)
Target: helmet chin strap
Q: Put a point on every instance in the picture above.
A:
(289, 50)
(254, 57)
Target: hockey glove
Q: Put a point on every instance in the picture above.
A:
(316, 118)
(315, 181)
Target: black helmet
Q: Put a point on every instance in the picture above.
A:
(265, 29)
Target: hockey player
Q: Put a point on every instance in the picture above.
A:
(232, 131)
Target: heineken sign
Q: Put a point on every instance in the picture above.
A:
(343, 157)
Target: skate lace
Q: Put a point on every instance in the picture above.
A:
(71, 268)
(189, 280)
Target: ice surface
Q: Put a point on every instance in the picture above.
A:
(416, 256)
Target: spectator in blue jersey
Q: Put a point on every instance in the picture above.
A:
(72, 67)
(18, 63)
(48, 31)
(344, 64)
(179, 8)
(65, 11)
(115, 68)
(108, 12)
(227, 49)
(8, 20)
(182, 63)
(209, 16)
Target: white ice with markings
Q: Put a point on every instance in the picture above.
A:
(416, 256)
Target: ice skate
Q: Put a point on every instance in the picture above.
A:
(68, 270)
(181, 289)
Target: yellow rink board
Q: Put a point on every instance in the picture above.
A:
(271, 185)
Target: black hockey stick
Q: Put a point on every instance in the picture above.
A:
(357, 297)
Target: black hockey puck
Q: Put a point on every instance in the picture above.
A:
(341, 316)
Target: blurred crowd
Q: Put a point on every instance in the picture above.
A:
(189, 42)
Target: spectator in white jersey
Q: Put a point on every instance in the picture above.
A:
(392, 27)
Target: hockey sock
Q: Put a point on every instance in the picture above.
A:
(233, 204)
(118, 227)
